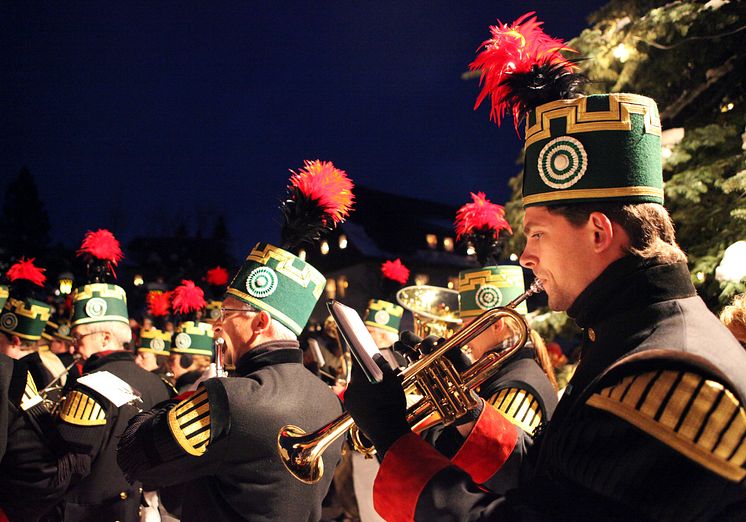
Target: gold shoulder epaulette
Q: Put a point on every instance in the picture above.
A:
(81, 409)
(189, 422)
(30, 393)
(695, 416)
(519, 406)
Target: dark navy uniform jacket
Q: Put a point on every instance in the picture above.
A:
(652, 425)
(221, 442)
(92, 425)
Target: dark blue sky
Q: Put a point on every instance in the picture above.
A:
(138, 115)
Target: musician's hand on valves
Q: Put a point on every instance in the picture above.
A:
(379, 409)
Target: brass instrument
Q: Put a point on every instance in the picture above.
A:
(444, 391)
(435, 309)
(54, 385)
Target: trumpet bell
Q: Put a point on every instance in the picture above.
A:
(435, 309)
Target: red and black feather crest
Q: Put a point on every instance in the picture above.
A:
(187, 298)
(101, 252)
(523, 67)
(480, 224)
(25, 270)
(319, 198)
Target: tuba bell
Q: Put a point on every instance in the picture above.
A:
(435, 309)
(444, 391)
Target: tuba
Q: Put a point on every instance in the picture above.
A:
(435, 309)
(444, 391)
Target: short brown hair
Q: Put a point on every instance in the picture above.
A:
(648, 225)
(733, 317)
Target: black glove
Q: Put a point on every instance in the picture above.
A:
(379, 409)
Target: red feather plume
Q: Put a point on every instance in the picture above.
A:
(188, 298)
(514, 49)
(217, 276)
(330, 186)
(395, 270)
(159, 303)
(481, 214)
(24, 270)
(102, 245)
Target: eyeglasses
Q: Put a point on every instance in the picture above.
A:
(223, 310)
(78, 338)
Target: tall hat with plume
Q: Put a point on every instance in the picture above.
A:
(99, 299)
(480, 224)
(23, 314)
(192, 336)
(216, 279)
(275, 280)
(384, 313)
(154, 341)
(578, 148)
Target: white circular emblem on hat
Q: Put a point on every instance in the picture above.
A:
(157, 344)
(562, 162)
(95, 307)
(382, 317)
(262, 282)
(488, 297)
(9, 321)
(183, 340)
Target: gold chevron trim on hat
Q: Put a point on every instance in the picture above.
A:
(189, 422)
(262, 305)
(695, 416)
(102, 289)
(18, 307)
(592, 194)
(391, 308)
(303, 277)
(472, 280)
(81, 409)
(579, 119)
(194, 328)
(4, 292)
(519, 406)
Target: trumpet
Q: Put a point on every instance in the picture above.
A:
(444, 391)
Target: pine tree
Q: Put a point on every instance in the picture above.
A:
(25, 222)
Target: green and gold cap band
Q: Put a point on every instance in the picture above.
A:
(154, 341)
(604, 147)
(25, 318)
(212, 310)
(481, 289)
(279, 283)
(384, 315)
(99, 303)
(194, 338)
(3, 295)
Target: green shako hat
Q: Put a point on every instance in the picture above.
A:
(481, 224)
(275, 280)
(154, 341)
(100, 300)
(191, 336)
(23, 314)
(481, 289)
(217, 279)
(384, 315)
(3, 295)
(57, 330)
(578, 148)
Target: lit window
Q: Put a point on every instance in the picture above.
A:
(470, 251)
(448, 244)
(331, 289)
(66, 285)
(514, 257)
(421, 279)
(342, 241)
(302, 254)
(138, 280)
(452, 282)
(324, 248)
(432, 241)
(342, 285)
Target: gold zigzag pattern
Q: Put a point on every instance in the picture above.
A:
(579, 119)
(102, 290)
(303, 277)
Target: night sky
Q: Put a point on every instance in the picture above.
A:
(137, 116)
